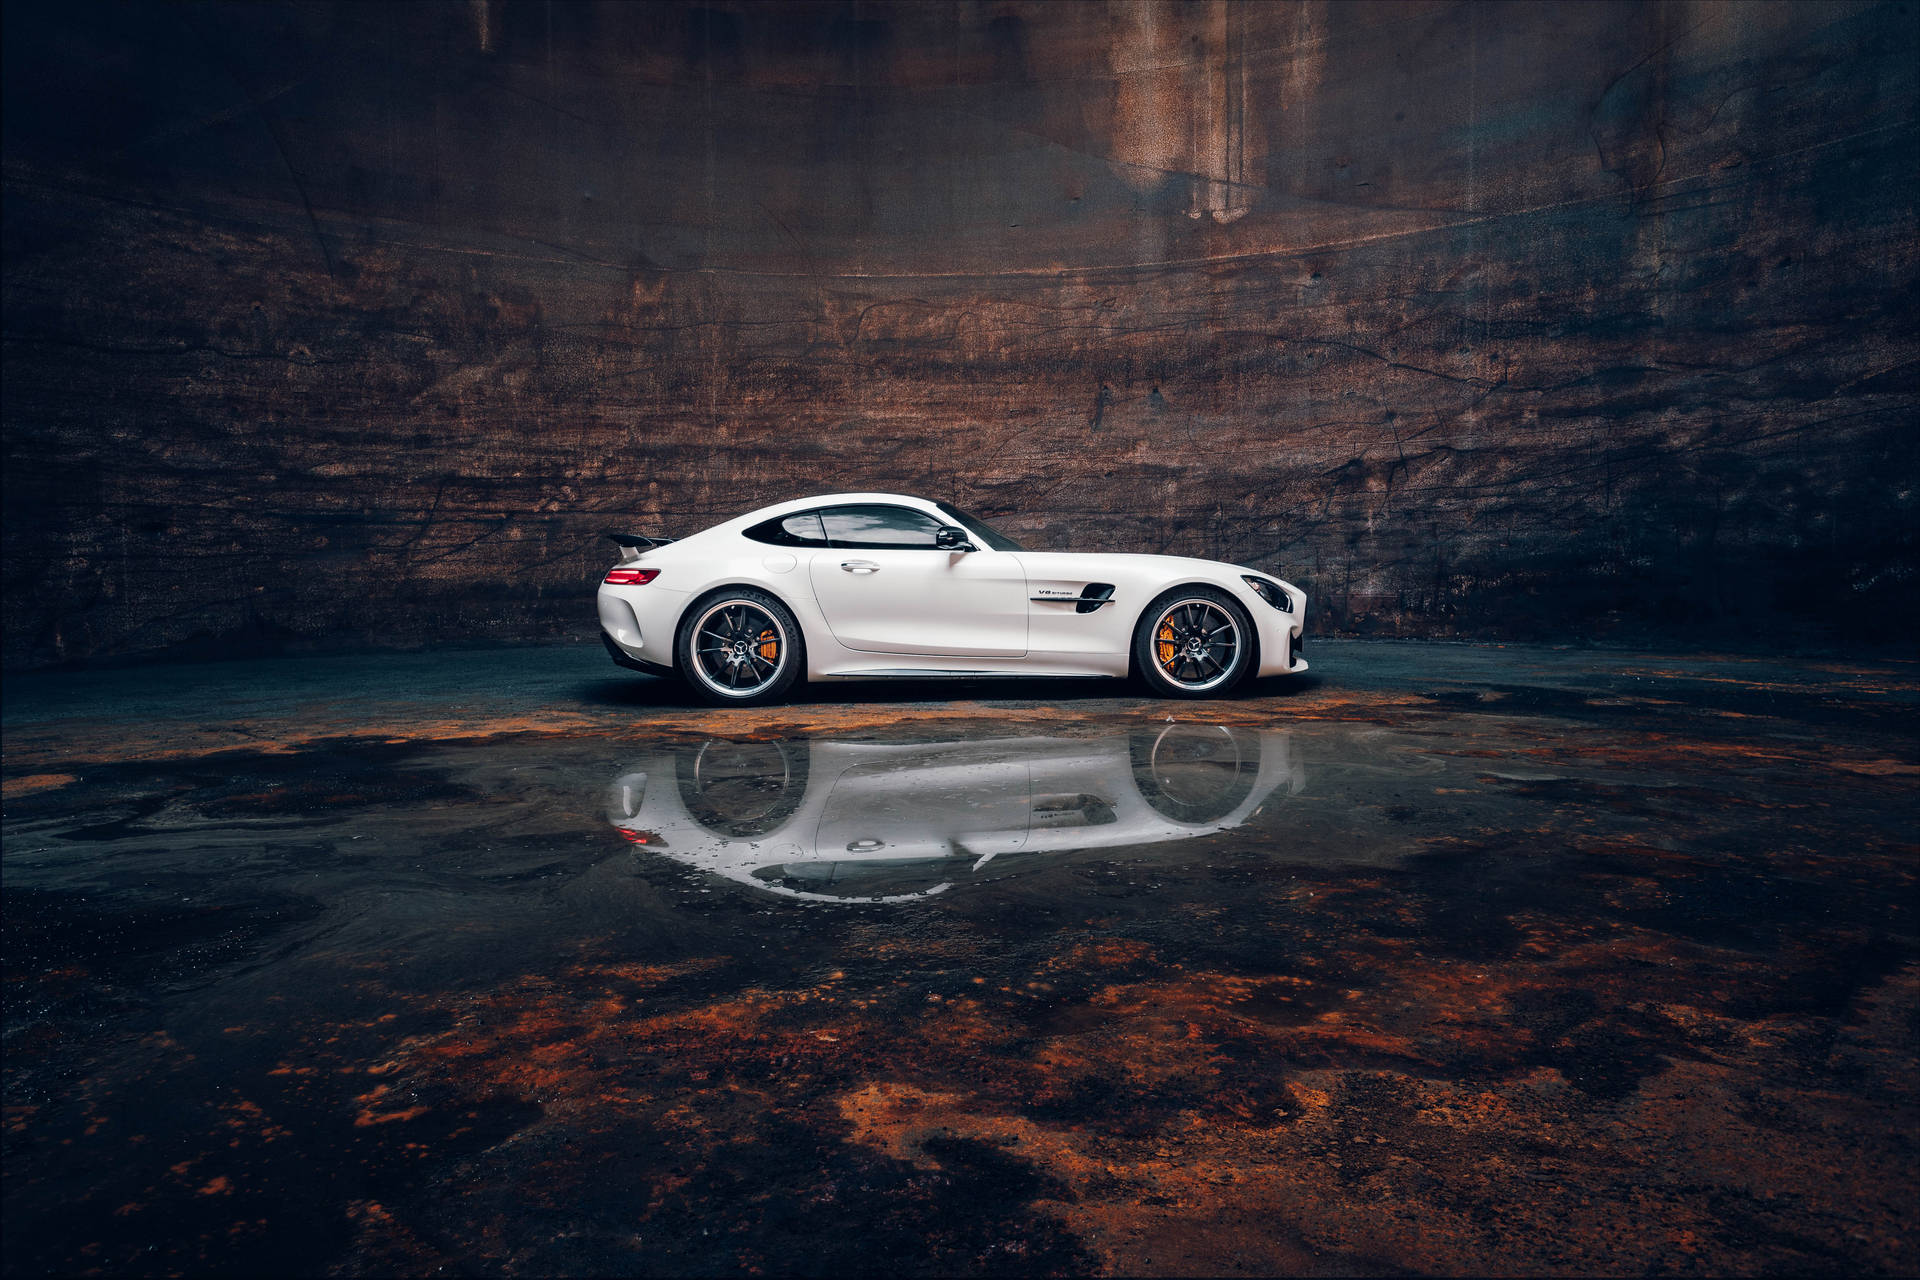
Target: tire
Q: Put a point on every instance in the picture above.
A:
(742, 790)
(1193, 773)
(722, 649)
(1193, 642)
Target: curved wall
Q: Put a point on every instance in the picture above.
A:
(330, 325)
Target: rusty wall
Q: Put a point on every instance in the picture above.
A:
(330, 325)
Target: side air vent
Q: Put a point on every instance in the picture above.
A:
(1095, 595)
(1051, 812)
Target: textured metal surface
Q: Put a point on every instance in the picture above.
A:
(1549, 963)
(335, 324)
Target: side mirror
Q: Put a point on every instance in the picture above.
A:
(953, 538)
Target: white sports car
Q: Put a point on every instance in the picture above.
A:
(853, 586)
(840, 821)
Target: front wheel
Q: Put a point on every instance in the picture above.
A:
(1193, 642)
(740, 648)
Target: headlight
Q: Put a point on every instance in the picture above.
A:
(1270, 592)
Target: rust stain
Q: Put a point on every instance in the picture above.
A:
(29, 784)
(1193, 1165)
(80, 742)
(368, 1118)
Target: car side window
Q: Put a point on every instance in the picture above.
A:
(802, 529)
(877, 528)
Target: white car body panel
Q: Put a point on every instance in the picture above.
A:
(967, 603)
(932, 613)
(946, 810)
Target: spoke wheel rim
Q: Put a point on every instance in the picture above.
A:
(1196, 644)
(738, 648)
(1163, 762)
(720, 778)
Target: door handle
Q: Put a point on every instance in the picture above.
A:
(859, 566)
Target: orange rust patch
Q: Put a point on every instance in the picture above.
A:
(367, 1119)
(1108, 953)
(1880, 768)
(27, 785)
(1338, 1160)
(112, 741)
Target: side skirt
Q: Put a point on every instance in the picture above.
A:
(928, 673)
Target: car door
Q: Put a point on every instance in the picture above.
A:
(931, 802)
(884, 587)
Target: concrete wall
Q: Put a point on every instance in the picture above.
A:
(330, 325)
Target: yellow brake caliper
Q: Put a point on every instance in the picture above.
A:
(769, 645)
(1166, 644)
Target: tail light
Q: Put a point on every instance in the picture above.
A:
(630, 577)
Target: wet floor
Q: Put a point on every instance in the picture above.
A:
(1442, 959)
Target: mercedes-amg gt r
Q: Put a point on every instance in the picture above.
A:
(865, 585)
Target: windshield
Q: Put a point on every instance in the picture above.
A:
(981, 529)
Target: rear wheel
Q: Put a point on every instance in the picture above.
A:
(742, 790)
(1193, 642)
(740, 648)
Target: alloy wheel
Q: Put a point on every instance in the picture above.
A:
(1196, 643)
(738, 648)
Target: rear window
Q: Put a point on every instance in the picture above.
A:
(801, 529)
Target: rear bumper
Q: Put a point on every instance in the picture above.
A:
(639, 622)
(621, 658)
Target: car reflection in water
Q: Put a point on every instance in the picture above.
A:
(836, 821)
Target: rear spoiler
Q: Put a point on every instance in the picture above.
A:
(632, 544)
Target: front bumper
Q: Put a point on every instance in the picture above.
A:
(1281, 636)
